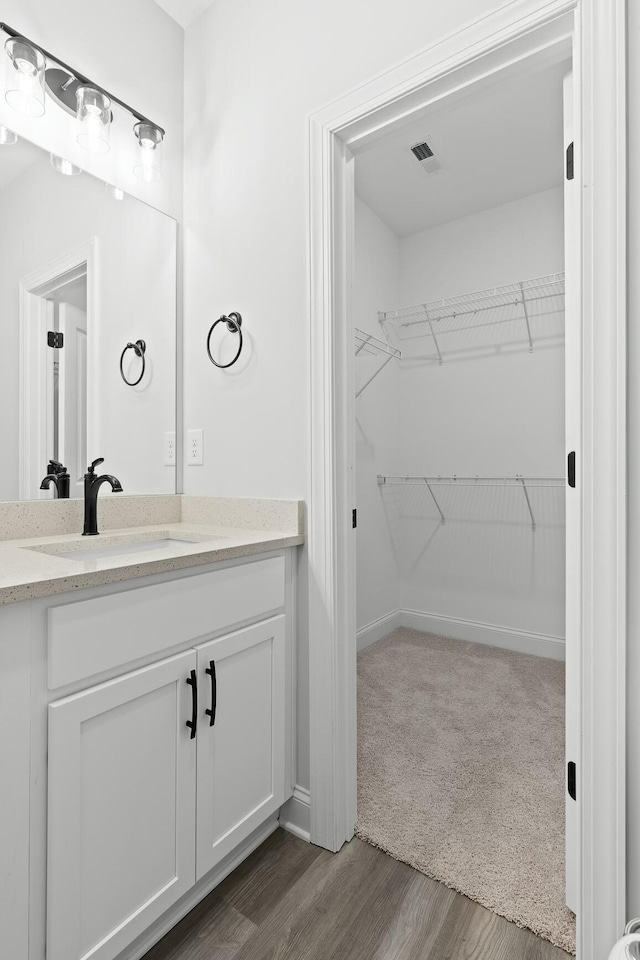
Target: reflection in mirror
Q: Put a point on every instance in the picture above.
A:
(85, 271)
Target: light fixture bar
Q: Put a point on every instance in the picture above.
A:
(85, 81)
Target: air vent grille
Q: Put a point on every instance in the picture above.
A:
(422, 151)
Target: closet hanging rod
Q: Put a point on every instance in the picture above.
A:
(408, 319)
(523, 302)
(525, 483)
(475, 481)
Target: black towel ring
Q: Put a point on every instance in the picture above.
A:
(234, 324)
(140, 348)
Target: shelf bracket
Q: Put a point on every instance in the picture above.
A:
(433, 497)
(435, 339)
(526, 318)
(373, 376)
(526, 496)
(364, 342)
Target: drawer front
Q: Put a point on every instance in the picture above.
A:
(91, 636)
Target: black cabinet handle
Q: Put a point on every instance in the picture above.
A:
(211, 670)
(193, 683)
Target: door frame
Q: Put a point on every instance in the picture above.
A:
(34, 378)
(597, 31)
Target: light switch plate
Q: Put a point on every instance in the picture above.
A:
(169, 449)
(195, 451)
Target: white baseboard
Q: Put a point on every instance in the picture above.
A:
(538, 644)
(168, 920)
(295, 815)
(377, 629)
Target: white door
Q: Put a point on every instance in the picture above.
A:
(241, 740)
(72, 394)
(121, 808)
(573, 432)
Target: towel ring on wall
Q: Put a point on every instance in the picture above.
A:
(234, 324)
(140, 348)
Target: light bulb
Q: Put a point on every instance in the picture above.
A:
(24, 77)
(149, 164)
(64, 166)
(93, 119)
(7, 136)
(117, 193)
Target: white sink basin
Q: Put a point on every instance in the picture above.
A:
(122, 549)
(121, 546)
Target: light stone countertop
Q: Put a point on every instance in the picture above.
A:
(26, 572)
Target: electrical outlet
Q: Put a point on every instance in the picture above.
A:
(195, 452)
(170, 449)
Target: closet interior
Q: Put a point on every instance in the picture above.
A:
(459, 321)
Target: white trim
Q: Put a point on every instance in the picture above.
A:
(157, 931)
(377, 629)
(522, 641)
(295, 815)
(512, 32)
(32, 361)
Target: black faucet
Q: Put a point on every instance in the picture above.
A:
(92, 486)
(57, 474)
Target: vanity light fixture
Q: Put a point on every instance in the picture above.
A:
(31, 69)
(25, 66)
(7, 136)
(63, 166)
(148, 166)
(94, 119)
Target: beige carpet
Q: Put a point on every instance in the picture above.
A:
(461, 772)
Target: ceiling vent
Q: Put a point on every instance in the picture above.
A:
(426, 157)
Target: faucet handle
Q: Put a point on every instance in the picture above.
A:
(92, 468)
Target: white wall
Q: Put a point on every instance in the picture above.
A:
(493, 414)
(46, 216)
(376, 281)
(254, 70)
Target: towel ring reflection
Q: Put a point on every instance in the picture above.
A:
(234, 325)
(140, 348)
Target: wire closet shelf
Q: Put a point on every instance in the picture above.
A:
(517, 307)
(525, 483)
(368, 345)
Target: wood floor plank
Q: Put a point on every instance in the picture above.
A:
(257, 885)
(315, 920)
(213, 930)
(415, 928)
(471, 932)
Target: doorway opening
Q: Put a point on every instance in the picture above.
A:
(459, 314)
(56, 402)
(595, 431)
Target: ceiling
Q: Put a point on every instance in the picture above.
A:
(501, 143)
(184, 11)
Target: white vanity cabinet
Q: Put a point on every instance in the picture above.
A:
(161, 749)
(241, 741)
(121, 808)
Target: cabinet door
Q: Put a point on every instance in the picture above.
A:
(121, 808)
(241, 741)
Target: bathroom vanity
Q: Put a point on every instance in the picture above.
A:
(147, 691)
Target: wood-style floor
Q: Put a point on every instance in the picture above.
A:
(293, 901)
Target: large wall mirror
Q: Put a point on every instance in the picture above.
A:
(87, 274)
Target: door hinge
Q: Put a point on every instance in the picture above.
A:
(570, 161)
(571, 779)
(354, 518)
(55, 340)
(571, 469)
